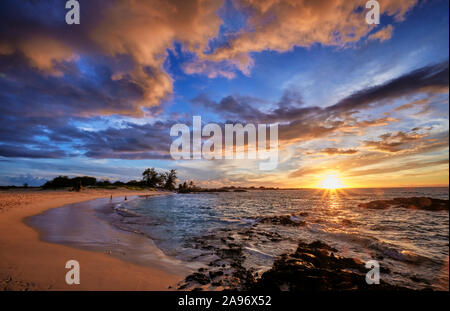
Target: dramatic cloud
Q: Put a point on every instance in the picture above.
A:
(362, 163)
(42, 53)
(26, 92)
(146, 29)
(410, 165)
(434, 78)
(282, 25)
(133, 35)
(131, 141)
(301, 122)
(14, 151)
(37, 129)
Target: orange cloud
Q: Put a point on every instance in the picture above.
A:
(281, 25)
(42, 52)
(146, 29)
(141, 29)
(337, 151)
(393, 142)
(411, 165)
(366, 162)
(383, 34)
(419, 102)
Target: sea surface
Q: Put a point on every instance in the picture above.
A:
(412, 244)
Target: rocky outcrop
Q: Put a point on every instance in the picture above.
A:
(285, 220)
(315, 267)
(312, 267)
(423, 203)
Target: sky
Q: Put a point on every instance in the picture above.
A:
(366, 103)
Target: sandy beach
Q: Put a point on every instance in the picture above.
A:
(27, 263)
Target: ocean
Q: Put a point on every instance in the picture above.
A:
(411, 244)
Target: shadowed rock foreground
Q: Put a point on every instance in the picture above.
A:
(313, 267)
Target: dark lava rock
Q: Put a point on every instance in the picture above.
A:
(419, 280)
(183, 286)
(231, 258)
(233, 254)
(214, 274)
(313, 267)
(347, 222)
(424, 203)
(317, 244)
(199, 278)
(285, 220)
(218, 283)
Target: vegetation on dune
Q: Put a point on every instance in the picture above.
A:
(65, 181)
(188, 187)
(151, 179)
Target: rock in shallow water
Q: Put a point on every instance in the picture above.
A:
(285, 220)
(424, 203)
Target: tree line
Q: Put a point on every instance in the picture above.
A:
(164, 180)
(150, 178)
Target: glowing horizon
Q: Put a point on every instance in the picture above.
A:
(331, 181)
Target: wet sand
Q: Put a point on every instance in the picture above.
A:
(28, 263)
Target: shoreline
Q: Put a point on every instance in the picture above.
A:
(91, 226)
(77, 225)
(29, 263)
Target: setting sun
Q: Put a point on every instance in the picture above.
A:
(331, 181)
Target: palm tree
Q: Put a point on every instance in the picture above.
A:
(151, 177)
(170, 179)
